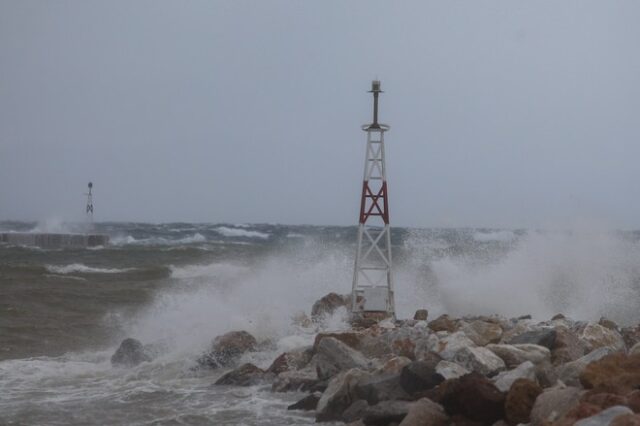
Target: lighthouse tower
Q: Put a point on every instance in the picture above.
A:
(372, 291)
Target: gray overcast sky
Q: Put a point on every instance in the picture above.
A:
(502, 113)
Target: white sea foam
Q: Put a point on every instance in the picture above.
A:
(80, 268)
(122, 240)
(233, 232)
(261, 299)
(583, 274)
(499, 236)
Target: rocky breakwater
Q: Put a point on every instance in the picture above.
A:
(483, 370)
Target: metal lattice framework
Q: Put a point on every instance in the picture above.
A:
(372, 279)
(89, 209)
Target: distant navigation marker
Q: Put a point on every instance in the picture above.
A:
(372, 291)
(89, 209)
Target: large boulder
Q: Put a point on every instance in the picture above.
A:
(554, 403)
(569, 373)
(605, 417)
(328, 304)
(567, 347)
(616, 372)
(333, 356)
(479, 359)
(545, 337)
(386, 412)
(520, 400)
(292, 360)
(339, 395)
(420, 376)
(355, 411)
(449, 345)
(444, 323)
(130, 353)
(483, 332)
(421, 315)
(425, 412)
(473, 396)
(228, 348)
(504, 380)
(514, 355)
(296, 380)
(631, 335)
(597, 336)
(308, 403)
(245, 375)
(378, 388)
(450, 370)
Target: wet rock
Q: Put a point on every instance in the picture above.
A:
(350, 338)
(504, 380)
(579, 412)
(473, 396)
(296, 380)
(618, 372)
(631, 335)
(327, 305)
(633, 401)
(293, 360)
(482, 332)
(449, 345)
(569, 373)
(597, 336)
(603, 399)
(520, 400)
(634, 349)
(394, 365)
(378, 388)
(339, 395)
(245, 375)
(554, 403)
(129, 354)
(568, 347)
(420, 376)
(421, 315)
(480, 360)
(514, 355)
(226, 349)
(425, 412)
(626, 420)
(355, 411)
(386, 412)
(308, 403)
(605, 417)
(450, 370)
(544, 337)
(444, 323)
(333, 356)
(607, 323)
(546, 374)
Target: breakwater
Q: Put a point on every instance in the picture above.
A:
(54, 240)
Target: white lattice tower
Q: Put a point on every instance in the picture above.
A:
(372, 290)
(89, 209)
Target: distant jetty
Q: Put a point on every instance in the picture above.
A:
(53, 240)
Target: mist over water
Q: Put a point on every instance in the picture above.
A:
(180, 285)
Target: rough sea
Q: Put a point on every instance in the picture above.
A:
(63, 312)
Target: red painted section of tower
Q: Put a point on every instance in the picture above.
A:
(378, 203)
